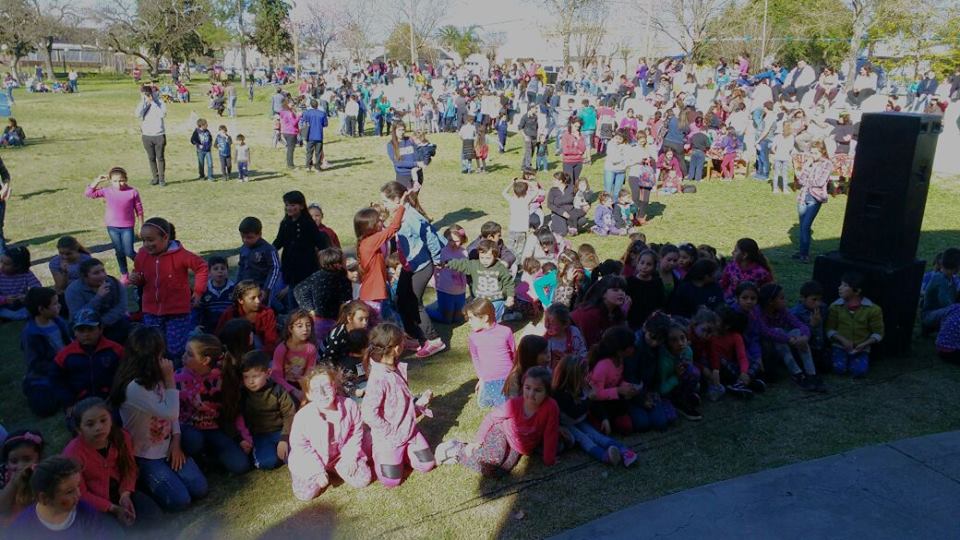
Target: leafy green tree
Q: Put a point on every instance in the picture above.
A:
(271, 32)
(464, 41)
(15, 31)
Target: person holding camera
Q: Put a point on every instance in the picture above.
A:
(151, 111)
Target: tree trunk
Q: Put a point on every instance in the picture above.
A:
(243, 44)
(860, 27)
(48, 57)
(15, 69)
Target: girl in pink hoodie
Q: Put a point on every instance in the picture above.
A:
(162, 269)
(390, 410)
(326, 436)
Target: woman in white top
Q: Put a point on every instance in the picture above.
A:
(615, 164)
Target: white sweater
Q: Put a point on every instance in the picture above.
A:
(151, 417)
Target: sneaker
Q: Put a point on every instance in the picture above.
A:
(613, 455)
(163, 183)
(757, 386)
(447, 452)
(154, 182)
(740, 390)
(629, 457)
(431, 348)
(715, 392)
(802, 381)
(690, 412)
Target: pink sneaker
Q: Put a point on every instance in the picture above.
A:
(629, 458)
(431, 348)
(124, 279)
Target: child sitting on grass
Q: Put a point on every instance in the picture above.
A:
(941, 291)
(86, 367)
(326, 437)
(517, 428)
(563, 337)
(787, 336)
(604, 223)
(571, 394)
(854, 324)
(811, 311)
(20, 452)
(390, 410)
(325, 291)
(609, 393)
(296, 355)
(218, 298)
(43, 337)
(948, 339)
(247, 305)
(204, 427)
(267, 413)
(16, 279)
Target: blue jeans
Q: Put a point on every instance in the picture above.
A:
(465, 165)
(10, 93)
(695, 171)
(205, 158)
(648, 419)
(856, 364)
(232, 106)
(265, 451)
(216, 444)
(242, 170)
(613, 182)
(592, 441)
(173, 490)
(122, 240)
(807, 210)
(491, 394)
(781, 175)
(763, 159)
(498, 307)
(448, 307)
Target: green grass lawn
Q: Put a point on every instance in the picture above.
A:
(73, 138)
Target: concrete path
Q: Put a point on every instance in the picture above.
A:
(899, 490)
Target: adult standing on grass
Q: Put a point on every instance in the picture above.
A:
(289, 128)
(402, 153)
(124, 211)
(813, 193)
(314, 121)
(151, 111)
(276, 101)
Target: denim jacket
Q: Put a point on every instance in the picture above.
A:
(418, 241)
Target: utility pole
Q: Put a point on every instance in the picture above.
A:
(241, 31)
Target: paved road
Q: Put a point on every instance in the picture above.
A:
(908, 489)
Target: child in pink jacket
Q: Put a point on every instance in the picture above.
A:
(390, 410)
(326, 437)
(609, 394)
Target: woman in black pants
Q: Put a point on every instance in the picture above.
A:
(641, 176)
(420, 246)
(564, 217)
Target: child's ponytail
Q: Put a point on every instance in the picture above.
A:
(383, 338)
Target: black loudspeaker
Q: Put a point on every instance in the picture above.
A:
(888, 190)
(894, 287)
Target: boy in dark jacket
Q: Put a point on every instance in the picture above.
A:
(267, 411)
(259, 261)
(42, 338)
(218, 298)
(492, 231)
(85, 368)
(202, 140)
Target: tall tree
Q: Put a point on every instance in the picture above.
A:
(271, 34)
(421, 18)
(156, 29)
(568, 14)
(397, 45)
(687, 23)
(52, 20)
(492, 42)
(320, 29)
(16, 31)
(464, 41)
(356, 28)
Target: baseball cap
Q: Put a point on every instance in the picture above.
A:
(86, 317)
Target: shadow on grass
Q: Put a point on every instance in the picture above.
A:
(464, 214)
(315, 521)
(496, 167)
(49, 237)
(446, 408)
(33, 194)
(347, 162)
(99, 248)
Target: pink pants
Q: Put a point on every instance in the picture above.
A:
(308, 484)
(389, 460)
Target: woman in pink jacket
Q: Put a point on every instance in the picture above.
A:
(573, 146)
(162, 268)
(124, 211)
(289, 128)
(390, 410)
(326, 437)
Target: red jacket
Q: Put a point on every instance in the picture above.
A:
(524, 434)
(264, 326)
(572, 148)
(166, 284)
(98, 470)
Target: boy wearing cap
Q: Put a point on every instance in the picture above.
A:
(85, 368)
